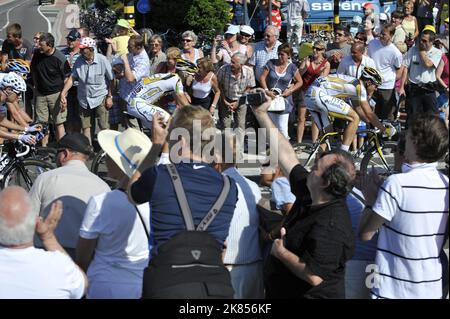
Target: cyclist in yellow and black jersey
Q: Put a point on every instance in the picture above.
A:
(345, 97)
(142, 96)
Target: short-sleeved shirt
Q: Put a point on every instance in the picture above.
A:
(93, 80)
(418, 73)
(202, 185)
(261, 56)
(349, 67)
(321, 236)
(281, 81)
(152, 88)
(121, 43)
(32, 273)
(25, 52)
(387, 59)
(231, 87)
(140, 67)
(49, 72)
(71, 58)
(281, 192)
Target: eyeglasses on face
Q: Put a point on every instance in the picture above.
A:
(339, 34)
(318, 49)
(155, 44)
(268, 35)
(187, 40)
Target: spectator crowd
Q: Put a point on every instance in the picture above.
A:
(181, 224)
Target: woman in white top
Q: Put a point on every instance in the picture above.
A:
(189, 51)
(369, 29)
(113, 247)
(229, 47)
(202, 84)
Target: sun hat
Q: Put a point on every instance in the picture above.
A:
(247, 30)
(232, 29)
(429, 27)
(123, 23)
(127, 149)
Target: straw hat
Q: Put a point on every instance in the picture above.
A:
(127, 149)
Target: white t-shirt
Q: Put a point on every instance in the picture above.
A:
(387, 60)
(415, 204)
(418, 73)
(33, 273)
(122, 249)
(348, 67)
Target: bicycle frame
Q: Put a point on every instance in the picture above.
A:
(371, 145)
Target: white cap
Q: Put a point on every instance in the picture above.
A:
(357, 19)
(383, 16)
(232, 29)
(247, 29)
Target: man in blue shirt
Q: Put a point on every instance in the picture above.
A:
(201, 182)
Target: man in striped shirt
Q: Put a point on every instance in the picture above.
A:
(411, 213)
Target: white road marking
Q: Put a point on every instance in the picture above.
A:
(49, 25)
(7, 14)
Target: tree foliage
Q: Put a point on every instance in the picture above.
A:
(198, 15)
(208, 14)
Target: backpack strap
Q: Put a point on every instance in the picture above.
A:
(181, 196)
(207, 220)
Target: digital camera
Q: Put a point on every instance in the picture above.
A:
(253, 99)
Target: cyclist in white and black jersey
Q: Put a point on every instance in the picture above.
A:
(141, 97)
(345, 97)
(11, 85)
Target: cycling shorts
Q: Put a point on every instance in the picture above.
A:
(320, 104)
(145, 111)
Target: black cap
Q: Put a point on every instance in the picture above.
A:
(77, 142)
(73, 35)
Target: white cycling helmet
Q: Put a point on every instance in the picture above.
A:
(13, 81)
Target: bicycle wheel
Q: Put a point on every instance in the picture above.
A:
(98, 167)
(384, 164)
(24, 173)
(47, 154)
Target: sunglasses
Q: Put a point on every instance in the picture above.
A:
(339, 34)
(360, 39)
(187, 40)
(318, 49)
(245, 35)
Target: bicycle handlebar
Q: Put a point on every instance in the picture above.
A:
(27, 149)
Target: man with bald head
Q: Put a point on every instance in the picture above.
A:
(353, 64)
(27, 272)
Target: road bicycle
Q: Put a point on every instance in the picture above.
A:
(18, 169)
(375, 152)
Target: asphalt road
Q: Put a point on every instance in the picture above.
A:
(29, 15)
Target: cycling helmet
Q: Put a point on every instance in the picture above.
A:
(372, 74)
(186, 66)
(19, 67)
(14, 81)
